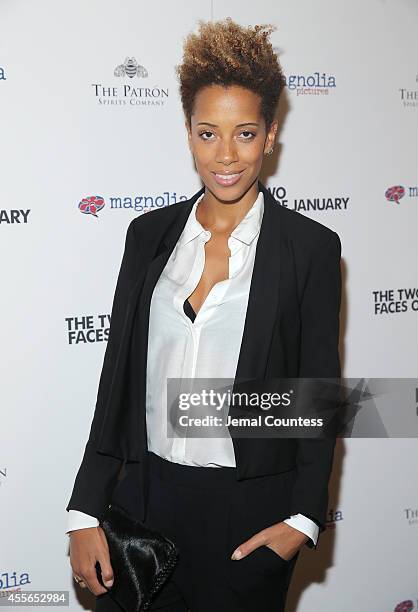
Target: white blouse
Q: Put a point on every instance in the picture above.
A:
(206, 348)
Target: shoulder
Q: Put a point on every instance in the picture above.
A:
(314, 249)
(307, 233)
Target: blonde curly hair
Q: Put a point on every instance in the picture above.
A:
(225, 53)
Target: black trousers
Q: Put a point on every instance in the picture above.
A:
(208, 513)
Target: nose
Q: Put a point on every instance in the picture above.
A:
(226, 153)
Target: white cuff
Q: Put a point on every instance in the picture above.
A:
(305, 525)
(80, 520)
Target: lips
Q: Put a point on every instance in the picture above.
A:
(226, 180)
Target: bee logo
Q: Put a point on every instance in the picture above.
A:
(130, 68)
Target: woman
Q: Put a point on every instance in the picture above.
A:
(225, 285)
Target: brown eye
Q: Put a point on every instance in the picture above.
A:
(205, 132)
(250, 133)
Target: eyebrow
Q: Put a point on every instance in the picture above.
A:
(238, 125)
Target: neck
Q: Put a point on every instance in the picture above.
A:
(224, 215)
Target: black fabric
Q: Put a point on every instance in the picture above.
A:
(141, 558)
(188, 310)
(208, 513)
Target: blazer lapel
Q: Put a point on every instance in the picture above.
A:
(163, 251)
(139, 350)
(263, 300)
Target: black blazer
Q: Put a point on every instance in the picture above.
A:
(291, 330)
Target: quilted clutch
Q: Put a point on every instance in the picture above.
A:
(141, 558)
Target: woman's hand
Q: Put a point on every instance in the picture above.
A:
(87, 546)
(280, 537)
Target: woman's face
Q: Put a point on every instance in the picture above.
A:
(228, 136)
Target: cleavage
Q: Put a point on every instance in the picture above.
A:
(215, 270)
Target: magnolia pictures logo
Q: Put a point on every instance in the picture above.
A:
(126, 92)
(12, 582)
(2, 74)
(94, 204)
(91, 205)
(315, 84)
(397, 192)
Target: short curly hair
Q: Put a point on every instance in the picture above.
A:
(225, 53)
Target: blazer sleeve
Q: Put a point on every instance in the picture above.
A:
(319, 358)
(97, 474)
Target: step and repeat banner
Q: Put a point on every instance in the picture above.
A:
(91, 136)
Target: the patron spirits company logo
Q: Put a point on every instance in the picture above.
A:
(315, 84)
(127, 93)
(309, 203)
(397, 192)
(131, 69)
(409, 96)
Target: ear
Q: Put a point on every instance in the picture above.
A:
(271, 135)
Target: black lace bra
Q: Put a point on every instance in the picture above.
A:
(188, 310)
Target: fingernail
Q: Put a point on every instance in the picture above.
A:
(108, 583)
(237, 554)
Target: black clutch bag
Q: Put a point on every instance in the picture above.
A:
(141, 558)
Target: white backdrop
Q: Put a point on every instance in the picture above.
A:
(71, 130)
